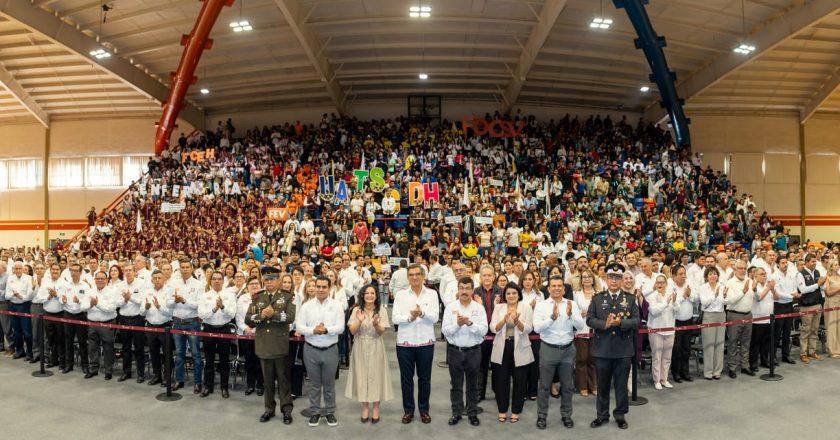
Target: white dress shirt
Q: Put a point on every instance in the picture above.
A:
(106, 305)
(562, 330)
(21, 285)
(762, 308)
(708, 301)
(207, 305)
(243, 303)
(421, 331)
(190, 289)
(685, 306)
(135, 289)
(786, 285)
(314, 312)
(800, 283)
(464, 336)
(736, 300)
(645, 283)
(399, 281)
(155, 315)
(583, 304)
(51, 305)
(72, 291)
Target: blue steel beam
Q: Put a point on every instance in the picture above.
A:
(664, 78)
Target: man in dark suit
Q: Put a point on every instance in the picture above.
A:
(614, 316)
(488, 294)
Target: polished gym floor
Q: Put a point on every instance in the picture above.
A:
(70, 407)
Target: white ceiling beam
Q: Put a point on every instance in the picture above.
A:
(776, 32)
(828, 88)
(67, 36)
(293, 14)
(19, 92)
(539, 33)
(367, 19)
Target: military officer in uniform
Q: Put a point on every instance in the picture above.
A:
(270, 314)
(613, 315)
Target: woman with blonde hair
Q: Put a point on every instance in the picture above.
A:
(832, 319)
(586, 379)
(662, 311)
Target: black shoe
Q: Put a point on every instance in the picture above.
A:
(454, 420)
(196, 388)
(287, 417)
(141, 379)
(206, 392)
(33, 360)
(91, 374)
(225, 393)
(315, 420)
(754, 369)
(789, 361)
(474, 420)
(266, 416)
(622, 424)
(17, 356)
(597, 423)
(124, 377)
(677, 379)
(541, 423)
(66, 370)
(260, 391)
(567, 422)
(155, 380)
(108, 376)
(688, 379)
(249, 391)
(177, 386)
(331, 420)
(733, 374)
(747, 372)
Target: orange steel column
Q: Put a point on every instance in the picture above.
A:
(194, 45)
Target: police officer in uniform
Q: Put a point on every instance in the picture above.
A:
(613, 315)
(270, 314)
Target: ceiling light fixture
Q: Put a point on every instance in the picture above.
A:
(601, 23)
(240, 26)
(100, 54)
(205, 91)
(644, 89)
(420, 12)
(744, 49)
(423, 76)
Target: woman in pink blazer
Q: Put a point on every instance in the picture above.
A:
(511, 323)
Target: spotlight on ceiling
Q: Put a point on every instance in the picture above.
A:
(423, 76)
(601, 23)
(420, 12)
(205, 91)
(100, 54)
(644, 89)
(241, 26)
(744, 49)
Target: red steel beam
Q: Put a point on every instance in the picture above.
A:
(194, 45)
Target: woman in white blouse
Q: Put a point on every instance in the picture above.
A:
(586, 380)
(531, 295)
(511, 323)
(662, 307)
(712, 295)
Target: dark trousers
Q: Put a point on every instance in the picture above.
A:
(133, 344)
(416, 360)
(213, 347)
(486, 351)
(502, 375)
(253, 373)
(534, 371)
(22, 328)
(783, 328)
(54, 332)
(463, 368)
(276, 370)
(681, 352)
(612, 372)
(296, 368)
(79, 333)
(157, 345)
(101, 339)
(760, 345)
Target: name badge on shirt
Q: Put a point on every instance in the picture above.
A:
(82, 291)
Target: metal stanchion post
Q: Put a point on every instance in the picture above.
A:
(772, 377)
(42, 371)
(635, 398)
(168, 396)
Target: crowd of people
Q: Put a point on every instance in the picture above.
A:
(571, 236)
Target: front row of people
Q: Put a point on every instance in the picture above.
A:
(271, 314)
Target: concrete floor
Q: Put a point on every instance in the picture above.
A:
(73, 408)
